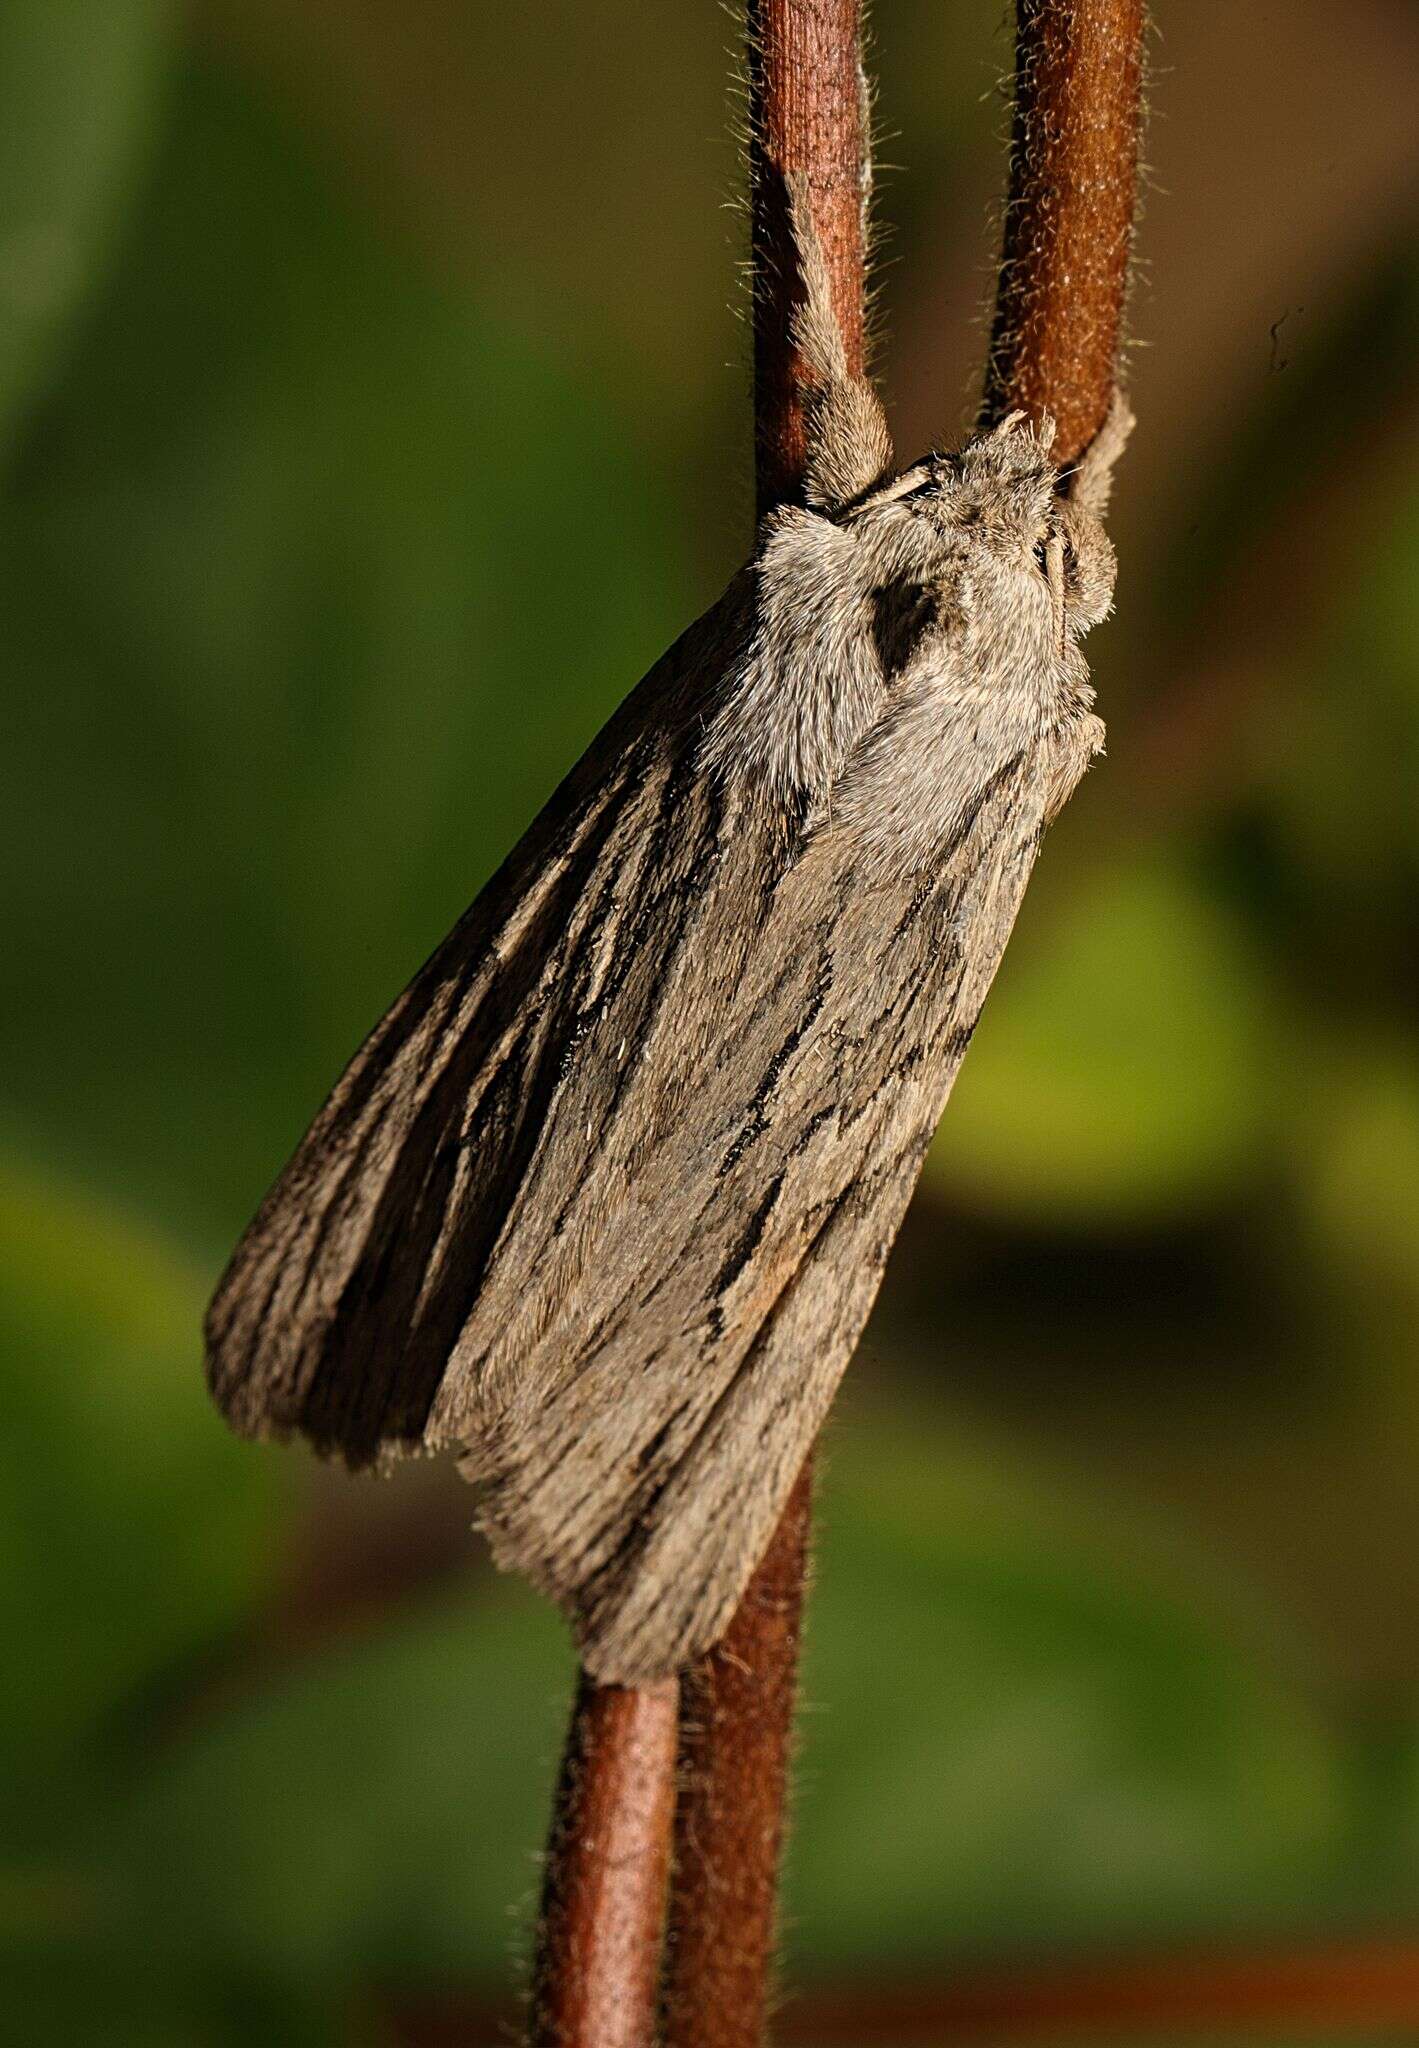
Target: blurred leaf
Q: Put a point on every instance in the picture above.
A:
(1023, 1732)
(1342, 763)
(133, 1530)
(74, 1993)
(1126, 1060)
(328, 578)
(78, 94)
(1018, 1732)
(1360, 1144)
(379, 1812)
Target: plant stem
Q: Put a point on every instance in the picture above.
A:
(1069, 217)
(806, 115)
(1316, 1993)
(603, 1897)
(736, 1732)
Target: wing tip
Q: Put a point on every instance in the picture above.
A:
(261, 1407)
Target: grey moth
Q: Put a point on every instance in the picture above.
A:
(602, 1203)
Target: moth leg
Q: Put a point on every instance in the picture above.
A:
(849, 445)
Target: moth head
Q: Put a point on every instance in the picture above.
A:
(1014, 492)
(999, 487)
(998, 500)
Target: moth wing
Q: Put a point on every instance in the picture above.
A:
(337, 1313)
(646, 1367)
(605, 1199)
(672, 1588)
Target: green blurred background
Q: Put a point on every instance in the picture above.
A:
(373, 411)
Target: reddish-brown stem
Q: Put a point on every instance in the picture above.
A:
(1319, 1993)
(603, 1899)
(1069, 216)
(1303, 1994)
(806, 96)
(737, 1727)
(806, 117)
(608, 1856)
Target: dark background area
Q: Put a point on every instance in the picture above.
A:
(373, 411)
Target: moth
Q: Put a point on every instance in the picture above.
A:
(603, 1202)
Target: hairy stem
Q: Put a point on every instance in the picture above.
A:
(806, 116)
(1069, 217)
(603, 1907)
(603, 1896)
(737, 1727)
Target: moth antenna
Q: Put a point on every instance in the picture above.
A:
(849, 444)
